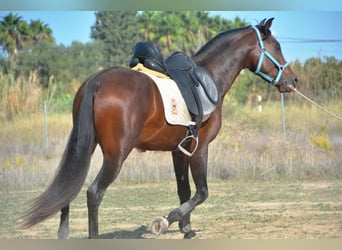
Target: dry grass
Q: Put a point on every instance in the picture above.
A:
(234, 210)
(19, 96)
(25, 161)
(250, 145)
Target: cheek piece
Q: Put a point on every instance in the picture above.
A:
(263, 53)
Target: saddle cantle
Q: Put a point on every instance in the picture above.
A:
(148, 55)
(196, 84)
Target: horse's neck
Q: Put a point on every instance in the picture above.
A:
(226, 64)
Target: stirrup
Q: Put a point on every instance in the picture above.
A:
(183, 150)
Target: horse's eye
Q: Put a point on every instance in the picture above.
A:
(278, 47)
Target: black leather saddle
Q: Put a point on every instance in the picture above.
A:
(195, 83)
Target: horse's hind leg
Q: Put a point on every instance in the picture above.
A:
(63, 230)
(109, 171)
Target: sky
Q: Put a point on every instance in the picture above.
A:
(302, 34)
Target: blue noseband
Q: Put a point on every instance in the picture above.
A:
(263, 53)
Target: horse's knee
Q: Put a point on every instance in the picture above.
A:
(202, 194)
(93, 197)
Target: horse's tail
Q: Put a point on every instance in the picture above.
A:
(73, 167)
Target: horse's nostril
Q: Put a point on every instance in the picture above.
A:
(294, 82)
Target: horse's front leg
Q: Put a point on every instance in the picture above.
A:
(181, 167)
(198, 165)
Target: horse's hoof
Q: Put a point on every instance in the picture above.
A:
(189, 234)
(175, 215)
(159, 225)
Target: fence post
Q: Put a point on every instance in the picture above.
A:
(46, 127)
(259, 105)
(283, 115)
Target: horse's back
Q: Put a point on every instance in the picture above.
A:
(117, 83)
(124, 83)
(124, 92)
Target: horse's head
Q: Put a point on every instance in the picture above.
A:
(268, 61)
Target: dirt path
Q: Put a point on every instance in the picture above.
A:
(234, 210)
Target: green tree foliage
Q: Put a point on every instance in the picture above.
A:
(118, 31)
(182, 30)
(13, 34)
(320, 77)
(85, 59)
(171, 30)
(40, 31)
(60, 69)
(64, 64)
(16, 34)
(48, 60)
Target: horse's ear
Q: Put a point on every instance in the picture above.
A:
(262, 23)
(264, 26)
(268, 24)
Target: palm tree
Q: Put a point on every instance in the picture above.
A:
(13, 34)
(40, 31)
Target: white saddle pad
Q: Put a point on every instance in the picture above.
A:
(175, 109)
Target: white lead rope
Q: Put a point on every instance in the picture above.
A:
(319, 106)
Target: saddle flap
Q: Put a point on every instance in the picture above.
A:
(202, 78)
(194, 83)
(178, 66)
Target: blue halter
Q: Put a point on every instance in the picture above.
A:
(263, 53)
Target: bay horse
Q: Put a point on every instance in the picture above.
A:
(120, 109)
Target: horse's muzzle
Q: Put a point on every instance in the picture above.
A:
(286, 85)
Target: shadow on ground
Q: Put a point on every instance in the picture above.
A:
(127, 234)
(141, 232)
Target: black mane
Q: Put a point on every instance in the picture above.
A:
(220, 41)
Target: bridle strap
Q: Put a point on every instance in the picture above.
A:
(263, 53)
